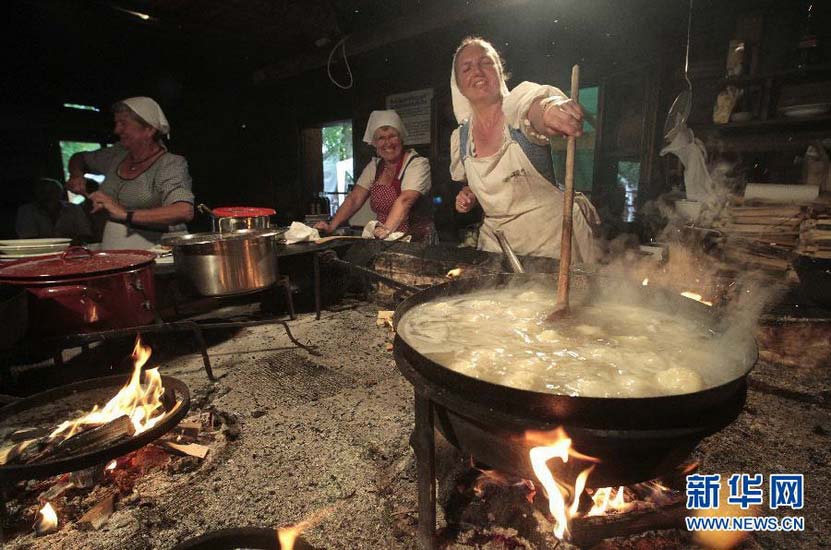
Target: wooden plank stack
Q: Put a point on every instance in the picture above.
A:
(761, 236)
(815, 235)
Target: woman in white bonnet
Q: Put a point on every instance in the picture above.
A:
(396, 182)
(501, 154)
(146, 190)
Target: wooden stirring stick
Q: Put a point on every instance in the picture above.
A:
(561, 307)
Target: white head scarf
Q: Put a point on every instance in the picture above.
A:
(150, 112)
(461, 106)
(377, 119)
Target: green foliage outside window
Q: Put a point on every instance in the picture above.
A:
(337, 140)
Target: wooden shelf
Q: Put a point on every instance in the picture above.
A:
(790, 74)
(770, 124)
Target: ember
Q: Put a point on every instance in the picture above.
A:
(697, 297)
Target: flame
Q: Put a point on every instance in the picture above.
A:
(47, 520)
(141, 403)
(287, 536)
(695, 296)
(454, 273)
(563, 502)
(111, 465)
(604, 501)
(645, 281)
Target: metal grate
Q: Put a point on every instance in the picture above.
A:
(290, 379)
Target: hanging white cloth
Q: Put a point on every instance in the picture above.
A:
(692, 154)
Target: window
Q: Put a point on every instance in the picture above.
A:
(338, 170)
(584, 157)
(69, 148)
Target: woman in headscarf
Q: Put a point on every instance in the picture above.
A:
(396, 182)
(147, 190)
(501, 153)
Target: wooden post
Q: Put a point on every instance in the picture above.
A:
(424, 446)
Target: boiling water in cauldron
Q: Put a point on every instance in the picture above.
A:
(600, 350)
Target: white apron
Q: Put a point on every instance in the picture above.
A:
(117, 236)
(527, 207)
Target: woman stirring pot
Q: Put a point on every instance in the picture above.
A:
(501, 153)
(396, 182)
(147, 190)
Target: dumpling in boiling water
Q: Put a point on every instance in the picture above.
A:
(530, 296)
(589, 330)
(549, 336)
(679, 380)
(520, 378)
(632, 386)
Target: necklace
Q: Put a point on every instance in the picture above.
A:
(134, 164)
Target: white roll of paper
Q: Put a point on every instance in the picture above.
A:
(781, 193)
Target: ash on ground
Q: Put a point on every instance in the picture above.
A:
(330, 430)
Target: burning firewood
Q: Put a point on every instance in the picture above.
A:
(101, 436)
(590, 530)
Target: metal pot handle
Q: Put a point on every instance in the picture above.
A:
(219, 223)
(76, 253)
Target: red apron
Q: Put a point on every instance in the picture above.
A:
(382, 197)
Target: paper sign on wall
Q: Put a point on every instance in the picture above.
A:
(414, 109)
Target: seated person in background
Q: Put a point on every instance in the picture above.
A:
(51, 215)
(97, 219)
(147, 190)
(396, 182)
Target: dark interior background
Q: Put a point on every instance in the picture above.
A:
(239, 79)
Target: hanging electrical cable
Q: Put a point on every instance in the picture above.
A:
(341, 43)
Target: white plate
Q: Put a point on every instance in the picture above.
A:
(10, 257)
(30, 250)
(34, 242)
(805, 111)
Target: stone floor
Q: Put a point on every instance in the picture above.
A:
(330, 431)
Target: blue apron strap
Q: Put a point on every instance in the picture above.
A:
(464, 130)
(539, 155)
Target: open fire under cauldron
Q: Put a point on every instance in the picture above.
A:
(635, 439)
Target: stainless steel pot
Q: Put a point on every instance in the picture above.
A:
(222, 264)
(232, 218)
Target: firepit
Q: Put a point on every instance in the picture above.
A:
(631, 440)
(78, 448)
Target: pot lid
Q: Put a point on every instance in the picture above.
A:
(74, 262)
(242, 212)
(206, 238)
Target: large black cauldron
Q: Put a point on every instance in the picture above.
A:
(636, 439)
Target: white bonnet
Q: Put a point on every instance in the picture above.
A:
(378, 119)
(150, 112)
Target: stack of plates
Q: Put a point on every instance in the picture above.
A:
(17, 249)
